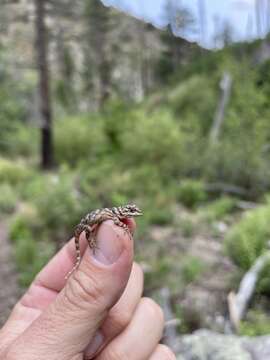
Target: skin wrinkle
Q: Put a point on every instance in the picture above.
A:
(49, 339)
(86, 289)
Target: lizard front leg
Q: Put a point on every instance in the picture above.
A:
(121, 224)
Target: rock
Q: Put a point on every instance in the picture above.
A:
(180, 357)
(206, 345)
(259, 347)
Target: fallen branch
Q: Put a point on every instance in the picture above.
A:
(226, 189)
(246, 205)
(238, 303)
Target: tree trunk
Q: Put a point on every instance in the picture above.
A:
(238, 303)
(44, 86)
(226, 85)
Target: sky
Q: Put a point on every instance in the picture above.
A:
(240, 14)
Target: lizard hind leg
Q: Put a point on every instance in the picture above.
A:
(90, 234)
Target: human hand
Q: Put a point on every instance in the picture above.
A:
(98, 313)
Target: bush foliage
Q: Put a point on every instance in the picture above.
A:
(249, 238)
(191, 193)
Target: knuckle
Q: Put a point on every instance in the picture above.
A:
(83, 289)
(120, 319)
(164, 352)
(153, 309)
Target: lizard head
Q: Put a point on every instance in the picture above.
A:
(130, 211)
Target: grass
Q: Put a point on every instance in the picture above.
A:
(257, 323)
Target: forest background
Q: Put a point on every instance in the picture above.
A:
(99, 109)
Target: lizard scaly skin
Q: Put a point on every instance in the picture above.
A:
(89, 224)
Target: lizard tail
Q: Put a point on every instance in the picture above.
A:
(78, 254)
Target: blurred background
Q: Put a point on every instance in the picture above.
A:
(98, 108)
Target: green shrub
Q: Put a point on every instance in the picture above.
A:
(153, 139)
(57, 202)
(263, 285)
(38, 185)
(248, 239)
(188, 101)
(257, 323)
(59, 208)
(238, 159)
(25, 252)
(192, 268)
(218, 209)
(104, 185)
(13, 173)
(159, 216)
(23, 141)
(31, 248)
(79, 138)
(25, 224)
(191, 193)
(158, 207)
(30, 256)
(8, 199)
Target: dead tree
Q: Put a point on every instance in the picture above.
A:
(238, 303)
(47, 160)
(225, 85)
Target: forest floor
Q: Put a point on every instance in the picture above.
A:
(209, 273)
(9, 289)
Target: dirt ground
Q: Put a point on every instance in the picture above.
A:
(9, 290)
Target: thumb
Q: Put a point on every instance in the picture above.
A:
(70, 323)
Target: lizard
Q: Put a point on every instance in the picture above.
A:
(89, 224)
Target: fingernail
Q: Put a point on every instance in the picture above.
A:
(109, 244)
(94, 345)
